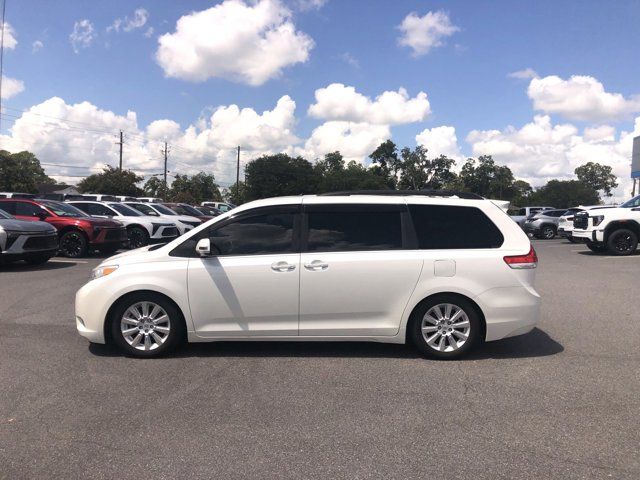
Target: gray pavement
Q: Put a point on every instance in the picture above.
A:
(560, 402)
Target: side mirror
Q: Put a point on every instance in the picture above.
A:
(42, 216)
(203, 247)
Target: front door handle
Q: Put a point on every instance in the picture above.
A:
(282, 267)
(316, 265)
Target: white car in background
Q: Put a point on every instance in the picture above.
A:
(141, 229)
(565, 222)
(183, 222)
(443, 273)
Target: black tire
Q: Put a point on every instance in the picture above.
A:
(418, 339)
(548, 232)
(596, 247)
(109, 249)
(38, 259)
(622, 242)
(177, 330)
(73, 244)
(138, 237)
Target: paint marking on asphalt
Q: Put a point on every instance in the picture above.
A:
(68, 261)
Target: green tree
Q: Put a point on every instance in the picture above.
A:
(195, 189)
(386, 163)
(21, 172)
(419, 172)
(597, 176)
(155, 187)
(334, 176)
(521, 192)
(112, 181)
(565, 194)
(484, 177)
(279, 174)
(236, 193)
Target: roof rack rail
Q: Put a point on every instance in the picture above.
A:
(428, 193)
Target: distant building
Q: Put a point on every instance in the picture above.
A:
(57, 192)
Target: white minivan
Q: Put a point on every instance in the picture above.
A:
(442, 271)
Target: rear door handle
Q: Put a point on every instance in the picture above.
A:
(282, 267)
(316, 265)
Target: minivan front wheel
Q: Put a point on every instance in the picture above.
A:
(146, 325)
(445, 327)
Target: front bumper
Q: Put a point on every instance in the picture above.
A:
(589, 235)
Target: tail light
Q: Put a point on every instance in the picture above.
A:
(530, 260)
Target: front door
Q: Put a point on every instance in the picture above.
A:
(251, 286)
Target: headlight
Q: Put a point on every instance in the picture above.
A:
(597, 220)
(103, 271)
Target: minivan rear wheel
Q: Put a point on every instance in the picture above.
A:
(146, 324)
(445, 327)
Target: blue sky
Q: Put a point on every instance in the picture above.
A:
(355, 43)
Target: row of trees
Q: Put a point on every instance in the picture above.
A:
(281, 174)
(184, 188)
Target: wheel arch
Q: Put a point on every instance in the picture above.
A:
(619, 224)
(132, 294)
(72, 228)
(474, 304)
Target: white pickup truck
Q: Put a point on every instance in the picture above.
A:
(613, 230)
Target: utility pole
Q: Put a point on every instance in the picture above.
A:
(165, 152)
(121, 143)
(238, 176)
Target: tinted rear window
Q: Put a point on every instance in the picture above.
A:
(345, 228)
(453, 227)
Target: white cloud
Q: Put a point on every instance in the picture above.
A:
(10, 40)
(36, 46)
(11, 87)
(422, 34)
(540, 151)
(440, 141)
(138, 20)
(83, 35)
(526, 74)
(248, 43)
(356, 141)
(349, 59)
(306, 5)
(149, 32)
(84, 135)
(580, 98)
(340, 102)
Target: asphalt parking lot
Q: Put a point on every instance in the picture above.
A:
(560, 402)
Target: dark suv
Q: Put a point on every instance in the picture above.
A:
(76, 230)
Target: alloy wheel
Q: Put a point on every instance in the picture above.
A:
(445, 327)
(136, 238)
(145, 326)
(72, 244)
(548, 233)
(623, 242)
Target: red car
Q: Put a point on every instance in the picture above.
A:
(76, 230)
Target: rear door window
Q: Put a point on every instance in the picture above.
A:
(347, 228)
(453, 227)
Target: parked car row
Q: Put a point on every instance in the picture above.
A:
(104, 223)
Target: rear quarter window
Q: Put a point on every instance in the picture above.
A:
(453, 227)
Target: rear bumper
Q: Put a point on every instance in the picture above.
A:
(532, 229)
(564, 233)
(509, 311)
(110, 236)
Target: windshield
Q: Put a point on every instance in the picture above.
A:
(634, 202)
(146, 209)
(63, 209)
(189, 210)
(124, 210)
(4, 214)
(164, 210)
